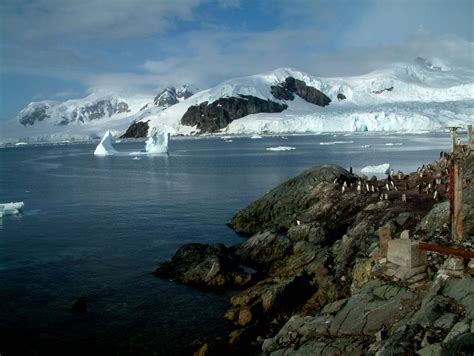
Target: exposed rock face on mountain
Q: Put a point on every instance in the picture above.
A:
(324, 285)
(218, 114)
(98, 110)
(166, 98)
(292, 86)
(136, 130)
(64, 114)
(32, 114)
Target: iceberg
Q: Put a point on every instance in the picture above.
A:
(255, 137)
(383, 168)
(105, 146)
(158, 142)
(11, 208)
(281, 148)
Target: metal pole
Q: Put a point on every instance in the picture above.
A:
(446, 250)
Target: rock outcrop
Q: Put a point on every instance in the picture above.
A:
(204, 266)
(211, 117)
(324, 286)
(283, 205)
(138, 129)
(291, 87)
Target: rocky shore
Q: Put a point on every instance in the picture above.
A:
(314, 277)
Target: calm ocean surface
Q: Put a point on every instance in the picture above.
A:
(98, 226)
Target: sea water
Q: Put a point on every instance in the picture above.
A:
(97, 227)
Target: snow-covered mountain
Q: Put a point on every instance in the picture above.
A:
(424, 95)
(86, 118)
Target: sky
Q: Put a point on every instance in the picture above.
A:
(63, 49)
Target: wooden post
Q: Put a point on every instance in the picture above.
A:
(456, 200)
(454, 138)
(470, 141)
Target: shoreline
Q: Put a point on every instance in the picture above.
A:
(314, 244)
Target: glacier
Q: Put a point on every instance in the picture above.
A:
(158, 142)
(105, 147)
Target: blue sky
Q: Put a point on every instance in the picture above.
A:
(60, 49)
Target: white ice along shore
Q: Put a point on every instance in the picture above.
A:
(11, 208)
(383, 168)
(105, 147)
(281, 148)
(158, 142)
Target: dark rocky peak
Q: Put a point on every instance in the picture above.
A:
(166, 98)
(220, 113)
(291, 86)
(33, 113)
(184, 92)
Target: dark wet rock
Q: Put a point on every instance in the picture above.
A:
(283, 205)
(341, 96)
(462, 344)
(204, 266)
(78, 305)
(292, 86)
(211, 117)
(268, 298)
(263, 250)
(136, 130)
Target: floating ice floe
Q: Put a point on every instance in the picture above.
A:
(21, 143)
(394, 144)
(11, 208)
(365, 146)
(281, 148)
(158, 142)
(105, 146)
(136, 158)
(383, 168)
(335, 142)
(255, 137)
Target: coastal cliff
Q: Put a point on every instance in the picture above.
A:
(313, 276)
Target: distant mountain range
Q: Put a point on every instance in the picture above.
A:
(424, 95)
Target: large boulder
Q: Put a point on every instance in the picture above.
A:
(204, 266)
(282, 206)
